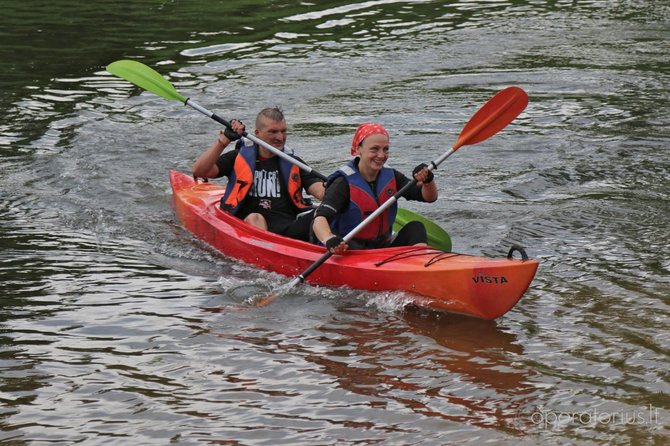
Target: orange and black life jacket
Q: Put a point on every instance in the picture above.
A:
(242, 178)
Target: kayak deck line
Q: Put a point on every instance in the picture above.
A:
(414, 252)
(417, 252)
(481, 287)
(443, 256)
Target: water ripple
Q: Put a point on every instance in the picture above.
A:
(119, 326)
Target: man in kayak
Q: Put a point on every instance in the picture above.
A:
(357, 189)
(263, 189)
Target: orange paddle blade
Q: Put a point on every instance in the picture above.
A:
(261, 301)
(493, 116)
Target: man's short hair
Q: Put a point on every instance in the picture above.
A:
(272, 113)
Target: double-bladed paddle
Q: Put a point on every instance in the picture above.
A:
(492, 117)
(149, 79)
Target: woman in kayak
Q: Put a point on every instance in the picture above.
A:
(357, 189)
(263, 189)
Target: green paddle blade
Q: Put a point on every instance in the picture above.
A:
(146, 78)
(437, 237)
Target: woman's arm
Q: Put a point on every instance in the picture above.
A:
(336, 199)
(429, 191)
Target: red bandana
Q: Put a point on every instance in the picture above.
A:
(364, 130)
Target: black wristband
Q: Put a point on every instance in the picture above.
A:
(419, 168)
(230, 134)
(333, 242)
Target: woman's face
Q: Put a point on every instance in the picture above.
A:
(374, 152)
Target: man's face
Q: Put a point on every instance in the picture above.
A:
(272, 132)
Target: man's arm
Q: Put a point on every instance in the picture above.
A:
(317, 190)
(205, 166)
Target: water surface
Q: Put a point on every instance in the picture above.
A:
(117, 326)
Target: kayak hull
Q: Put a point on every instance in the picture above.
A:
(476, 286)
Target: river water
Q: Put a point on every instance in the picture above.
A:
(118, 327)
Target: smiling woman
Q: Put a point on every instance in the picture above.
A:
(117, 324)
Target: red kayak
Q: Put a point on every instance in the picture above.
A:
(476, 286)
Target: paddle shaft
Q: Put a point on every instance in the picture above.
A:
(258, 141)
